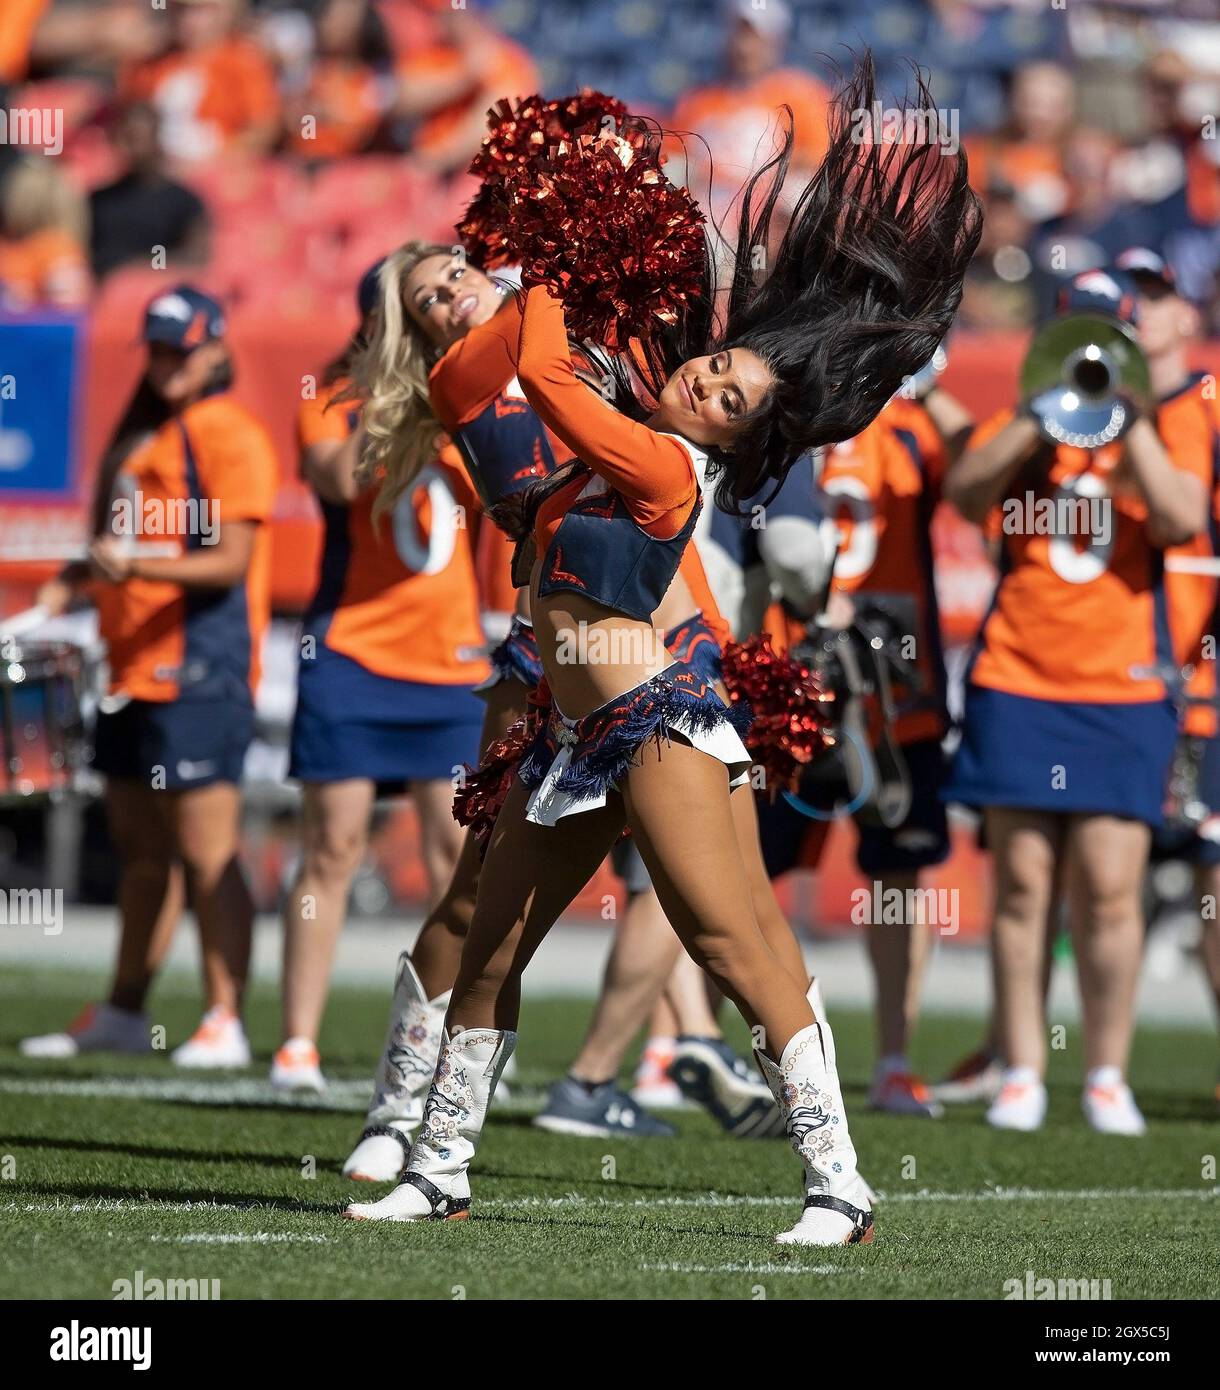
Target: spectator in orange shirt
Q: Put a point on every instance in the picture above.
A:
(42, 235)
(1028, 153)
(737, 117)
(21, 19)
(448, 82)
(183, 634)
(214, 88)
(350, 85)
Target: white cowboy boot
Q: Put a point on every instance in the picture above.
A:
(805, 1083)
(408, 1059)
(436, 1185)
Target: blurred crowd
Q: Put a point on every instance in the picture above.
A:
(278, 146)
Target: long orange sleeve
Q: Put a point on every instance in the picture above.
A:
(476, 367)
(652, 472)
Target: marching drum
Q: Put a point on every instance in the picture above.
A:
(42, 740)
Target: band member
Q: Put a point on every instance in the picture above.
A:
(638, 738)
(391, 652)
(1070, 723)
(881, 489)
(182, 633)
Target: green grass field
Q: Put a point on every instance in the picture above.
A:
(112, 1167)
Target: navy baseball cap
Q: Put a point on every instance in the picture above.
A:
(1110, 291)
(1141, 262)
(183, 317)
(368, 292)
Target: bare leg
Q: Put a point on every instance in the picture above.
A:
(438, 947)
(1208, 884)
(772, 922)
(898, 952)
(207, 826)
(334, 835)
(441, 838)
(1026, 845)
(701, 882)
(644, 953)
(151, 891)
(530, 876)
(1107, 857)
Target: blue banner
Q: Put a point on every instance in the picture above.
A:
(39, 388)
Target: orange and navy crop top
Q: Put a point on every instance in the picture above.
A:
(614, 524)
(478, 399)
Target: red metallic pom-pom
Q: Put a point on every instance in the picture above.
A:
(478, 801)
(519, 136)
(791, 709)
(600, 226)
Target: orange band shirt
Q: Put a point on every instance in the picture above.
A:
(398, 595)
(162, 639)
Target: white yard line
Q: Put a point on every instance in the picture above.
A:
(747, 1267)
(990, 1194)
(339, 1095)
(575, 1201)
(252, 1238)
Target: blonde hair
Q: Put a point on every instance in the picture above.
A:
(37, 197)
(390, 375)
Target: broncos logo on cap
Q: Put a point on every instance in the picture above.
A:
(1098, 282)
(171, 306)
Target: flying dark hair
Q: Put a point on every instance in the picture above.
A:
(864, 284)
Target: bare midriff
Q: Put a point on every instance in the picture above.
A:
(591, 654)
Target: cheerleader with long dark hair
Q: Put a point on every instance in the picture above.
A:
(860, 291)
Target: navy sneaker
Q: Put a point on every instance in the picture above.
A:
(603, 1112)
(709, 1072)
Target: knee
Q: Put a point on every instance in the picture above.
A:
(1111, 907)
(333, 854)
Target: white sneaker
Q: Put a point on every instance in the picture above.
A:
(97, 1028)
(1021, 1104)
(219, 1042)
(297, 1067)
(1108, 1105)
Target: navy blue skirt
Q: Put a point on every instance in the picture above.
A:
(350, 722)
(1063, 756)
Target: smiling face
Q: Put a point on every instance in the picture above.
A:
(447, 297)
(707, 398)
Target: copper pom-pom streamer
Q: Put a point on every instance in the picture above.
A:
(791, 709)
(519, 136)
(478, 802)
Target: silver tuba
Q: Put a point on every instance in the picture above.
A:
(1078, 377)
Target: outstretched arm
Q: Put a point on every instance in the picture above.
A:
(477, 366)
(652, 471)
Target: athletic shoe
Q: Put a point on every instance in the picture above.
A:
(709, 1072)
(1109, 1107)
(898, 1092)
(1021, 1104)
(977, 1077)
(652, 1084)
(297, 1067)
(603, 1112)
(97, 1028)
(218, 1042)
